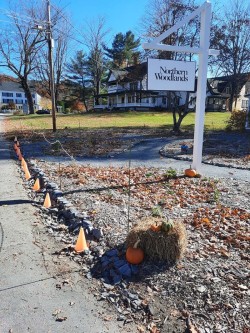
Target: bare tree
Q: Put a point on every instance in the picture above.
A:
(232, 38)
(20, 44)
(61, 33)
(95, 39)
(161, 15)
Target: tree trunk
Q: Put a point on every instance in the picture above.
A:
(29, 97)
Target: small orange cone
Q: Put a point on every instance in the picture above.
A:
(47, 202)
(36, 186)
(81, 244)
(27, 174)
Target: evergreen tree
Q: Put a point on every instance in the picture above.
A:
(124, 51)
(78, 77)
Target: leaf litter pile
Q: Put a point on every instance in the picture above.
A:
(208, 290)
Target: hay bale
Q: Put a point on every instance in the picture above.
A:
(159, 245)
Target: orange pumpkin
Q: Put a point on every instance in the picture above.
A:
(134, 255)
(190, 172)
(155, 227)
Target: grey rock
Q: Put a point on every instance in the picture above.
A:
(152, 310)
(120, 262)
(112, 252)
(133, 296)
(125, 270)
(97, 233)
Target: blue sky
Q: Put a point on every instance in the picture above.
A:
(120, 16)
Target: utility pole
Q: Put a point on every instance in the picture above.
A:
(51, 70)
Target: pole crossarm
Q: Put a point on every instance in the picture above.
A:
(181, 23)
(175, 48)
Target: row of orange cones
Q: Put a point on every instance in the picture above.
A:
(81, 244)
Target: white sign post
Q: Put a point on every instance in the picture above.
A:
(203, 51)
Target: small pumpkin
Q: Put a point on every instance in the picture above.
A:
(190, 172)
(155, 227)
(167, 225)
(134, 255)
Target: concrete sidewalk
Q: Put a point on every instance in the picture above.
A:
(34, 297)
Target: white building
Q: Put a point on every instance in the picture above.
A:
(12, 92)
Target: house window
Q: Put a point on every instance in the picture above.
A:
(18, 95)
(164, 100)
(244, 104)
(133, 85)
(131, 99)
(6, 94)
(19, 101)
(7, 100)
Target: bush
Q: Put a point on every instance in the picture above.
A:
(17, 113)
(237, 121)
(67, 111)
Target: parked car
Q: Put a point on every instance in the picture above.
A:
(43, 112)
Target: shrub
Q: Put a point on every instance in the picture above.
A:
(237, 121)
(17, 113)
(67, 111)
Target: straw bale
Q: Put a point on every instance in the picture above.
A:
(159, 245)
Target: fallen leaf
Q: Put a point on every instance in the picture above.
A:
(61, 318)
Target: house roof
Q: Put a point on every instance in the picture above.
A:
(129, 74)
(12, 86)
(218, 85)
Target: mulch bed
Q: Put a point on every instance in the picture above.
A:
(207, 291)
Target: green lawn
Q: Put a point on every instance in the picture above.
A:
(213, 120)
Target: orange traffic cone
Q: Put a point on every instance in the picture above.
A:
(27, 174)
(36, 186)
(81, 244)
(47, 202)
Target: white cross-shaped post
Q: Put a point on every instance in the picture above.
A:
(203, 52)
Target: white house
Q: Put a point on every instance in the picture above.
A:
(12, 92)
